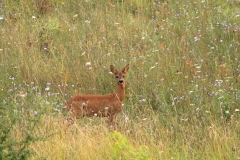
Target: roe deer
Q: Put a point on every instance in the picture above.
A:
(108, 105)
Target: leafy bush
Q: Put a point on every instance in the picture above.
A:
(18, 130)
(124, 150)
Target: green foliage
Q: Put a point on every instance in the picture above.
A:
(20, 125)
(10, 148)
(124, 150)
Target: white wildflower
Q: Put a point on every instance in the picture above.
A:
(88, 64)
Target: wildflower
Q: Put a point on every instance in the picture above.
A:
(76, 15)
(10, 90)
(142, 100)
(196, 39)
(152, 67)
(227, 112)
(35, 112)
(90, 68)
(87, 21)
(186, 119)
(12, 78)
(88, 64)
(126, 118)
(21, 95)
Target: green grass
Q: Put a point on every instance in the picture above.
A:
(182, 96)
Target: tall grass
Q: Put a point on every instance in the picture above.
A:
(182, 97)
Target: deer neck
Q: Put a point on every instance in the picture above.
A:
(120, 92)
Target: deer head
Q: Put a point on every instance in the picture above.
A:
(120, 76)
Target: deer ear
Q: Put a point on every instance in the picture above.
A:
(125, 69)
(113, 69)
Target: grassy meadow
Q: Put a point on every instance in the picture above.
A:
(182, 89)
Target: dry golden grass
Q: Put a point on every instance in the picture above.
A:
(182, 93)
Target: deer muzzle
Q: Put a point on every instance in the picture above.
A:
(120, 81)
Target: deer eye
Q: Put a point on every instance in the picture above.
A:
(117, 76)
(123, 76)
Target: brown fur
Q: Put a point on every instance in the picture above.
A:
(108, 105)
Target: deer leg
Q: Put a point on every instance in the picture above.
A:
(117, 109)
(112, 120)
(75, 112)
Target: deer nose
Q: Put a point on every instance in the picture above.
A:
(120, 81)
